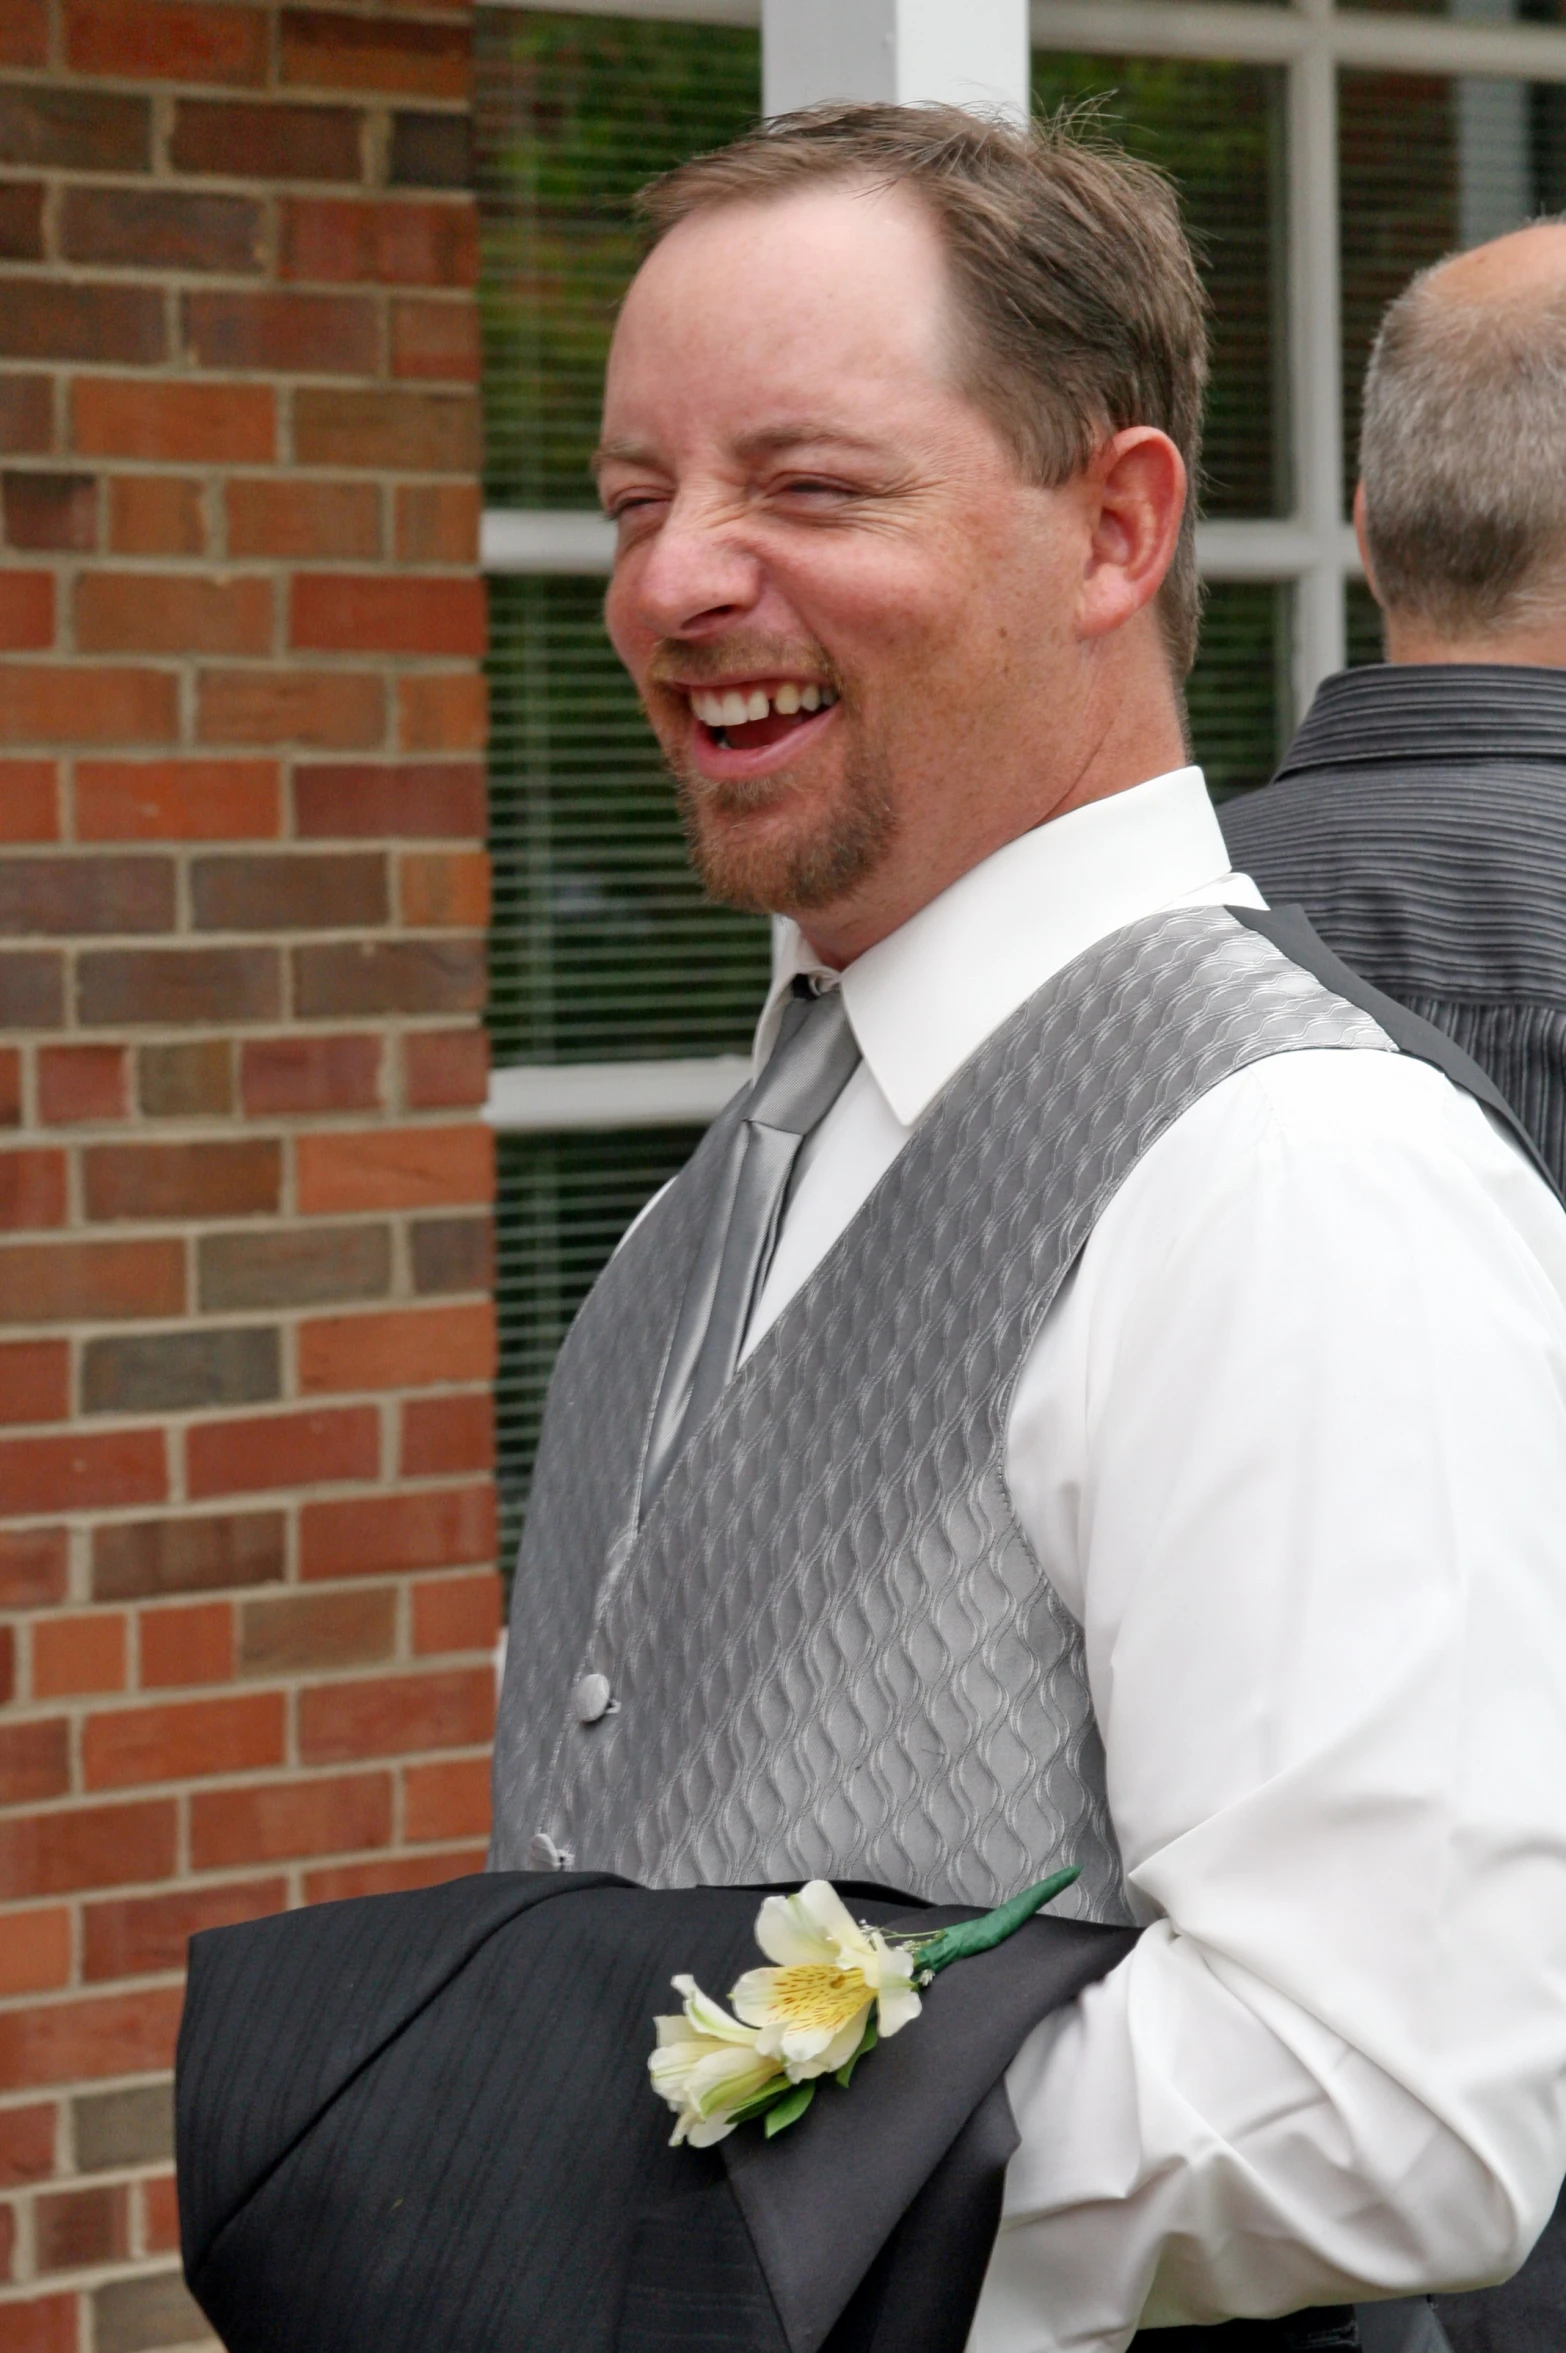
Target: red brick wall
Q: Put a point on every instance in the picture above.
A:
(247, 1600)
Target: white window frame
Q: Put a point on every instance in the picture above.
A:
(1311, 550)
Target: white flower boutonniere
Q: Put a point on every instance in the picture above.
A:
(836, 1989)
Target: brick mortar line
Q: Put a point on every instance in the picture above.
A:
(328, 936)
(212, 1877)
(176, 1420)
(115, 2271)
(273, 1127)
(218, 1126)
(417, 1481)
(70, 564)
(344, 1583)
(80, 2279)
(361, 98)
(286, 1317)
(231, 1500)
(253, 850)
(119, 2270)
(162, 278)
(216, 1878)
(95, 1707)
(262, 277)
(316, 661)
(342, 1587)
(153, 374)
(206, 1882)
(230, 1504)
(276, 471)
(261, 187)
(48, 2095)
(241, 1127)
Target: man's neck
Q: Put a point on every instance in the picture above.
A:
(1542, 647)
(908, 882)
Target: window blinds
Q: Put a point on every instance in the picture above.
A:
(602, 949)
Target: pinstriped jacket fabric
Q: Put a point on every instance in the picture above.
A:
(1419, 818)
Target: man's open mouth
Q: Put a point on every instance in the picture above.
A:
(760, 712)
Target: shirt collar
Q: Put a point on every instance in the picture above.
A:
(924, 999)
(1415, 714)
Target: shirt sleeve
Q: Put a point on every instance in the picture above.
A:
(1293, 1448)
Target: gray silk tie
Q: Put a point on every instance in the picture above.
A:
(808, 1068)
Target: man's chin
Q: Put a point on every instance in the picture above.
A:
(787, 870)
(751, 867)
(768, 846)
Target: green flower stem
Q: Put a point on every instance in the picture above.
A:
(937, 1952)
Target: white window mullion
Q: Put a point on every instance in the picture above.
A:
(546, 540)
(1315, 347)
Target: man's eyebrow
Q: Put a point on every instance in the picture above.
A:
(766, 441)
(622, 452)
(806, 432)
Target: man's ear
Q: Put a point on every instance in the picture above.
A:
(1136, 487)
(1363, 537)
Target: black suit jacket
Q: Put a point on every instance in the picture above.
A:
(423, 2121)
(1419, 818)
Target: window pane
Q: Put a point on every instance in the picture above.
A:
(564, 1203)
(1218, 129)
(1428, 165)
(602, 948)
(1238, 694)
(572, 114)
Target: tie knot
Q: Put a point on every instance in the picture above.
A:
(808, 1068)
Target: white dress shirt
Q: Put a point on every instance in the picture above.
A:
(1291, 1445)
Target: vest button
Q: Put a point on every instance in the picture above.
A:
(544, 1855)
(591, 1698)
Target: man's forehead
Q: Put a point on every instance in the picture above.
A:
(855, 264)
(776, 320)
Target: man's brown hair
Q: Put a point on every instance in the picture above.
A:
(1070, 270)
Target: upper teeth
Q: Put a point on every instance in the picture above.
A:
(734, 706)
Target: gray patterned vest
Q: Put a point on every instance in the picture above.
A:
(830, 1647)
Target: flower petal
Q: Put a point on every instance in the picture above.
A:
(788, 1935)
(896, 2007)
(708, 2016)
(821, 1904)
(755, 1996)
(807, 2050)
(727, 2079)
(672, 2030)
(708, 2130)
(843, 2044)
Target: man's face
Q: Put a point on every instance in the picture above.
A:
(836, 595)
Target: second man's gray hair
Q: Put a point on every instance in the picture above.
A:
(1463, 458)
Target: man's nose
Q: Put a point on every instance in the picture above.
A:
(695, 570)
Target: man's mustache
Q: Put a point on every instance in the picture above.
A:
(674, 664)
